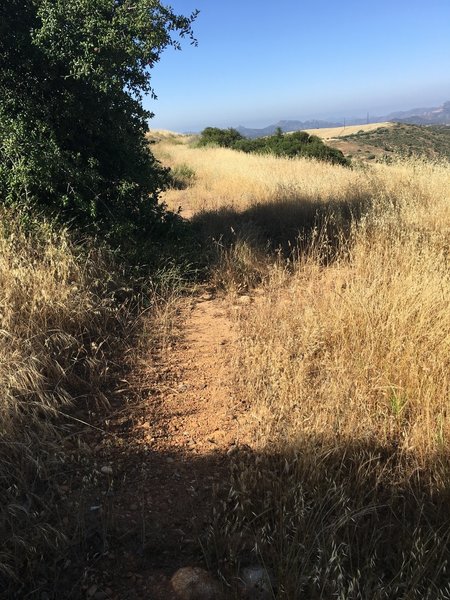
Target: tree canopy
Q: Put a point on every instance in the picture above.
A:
(214, 136)
(72, 125)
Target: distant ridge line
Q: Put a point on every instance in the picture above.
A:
(439, 115)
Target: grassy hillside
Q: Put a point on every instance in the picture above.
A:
(342, 362)
(339, 132)
(432, 142)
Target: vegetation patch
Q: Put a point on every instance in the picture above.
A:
(432, 141)
(298, 144)
(65, 313)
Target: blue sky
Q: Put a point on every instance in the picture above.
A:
(258, 61)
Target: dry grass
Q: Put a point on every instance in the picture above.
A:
(61, 318)
(347, 366)
(229, 179)
(328, 133)
(345, 360)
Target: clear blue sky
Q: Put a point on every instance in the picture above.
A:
(258, 61)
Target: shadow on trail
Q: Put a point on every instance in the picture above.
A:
(326, 520)
(284, 224)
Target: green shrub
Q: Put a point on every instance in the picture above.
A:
(294, 145)
(291, 145)
(213, 136)
(182, 176)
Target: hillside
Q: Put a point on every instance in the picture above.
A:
(281, 381)
(285, 126)
(405, 139)
(340, 359)
(330, 133)
(437, 115)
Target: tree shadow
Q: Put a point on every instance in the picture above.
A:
(338, 520)
(285, 224)
(325, 519)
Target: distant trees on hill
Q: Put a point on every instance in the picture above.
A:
(290, 145)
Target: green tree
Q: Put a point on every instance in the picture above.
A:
(225, 138)
(72, 126)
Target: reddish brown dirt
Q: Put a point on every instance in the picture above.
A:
(167, 455)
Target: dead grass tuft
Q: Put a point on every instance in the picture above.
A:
(62, 312)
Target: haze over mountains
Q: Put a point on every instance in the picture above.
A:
(416, 116)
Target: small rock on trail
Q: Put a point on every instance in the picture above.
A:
(194, 583)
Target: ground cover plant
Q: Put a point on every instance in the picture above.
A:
(344, 359)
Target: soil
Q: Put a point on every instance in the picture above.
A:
(162, 459)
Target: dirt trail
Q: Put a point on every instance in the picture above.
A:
(200, 414)
(177, 449)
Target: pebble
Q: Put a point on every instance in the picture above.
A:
(91, 591)
(106, 470)
(194, 583)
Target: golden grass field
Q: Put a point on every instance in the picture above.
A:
(373, 324)
(59, 322)
(328, 133)
(344, 358)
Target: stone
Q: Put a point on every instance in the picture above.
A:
(256, 583)
(194, 583)
(91, 591)
(106, 470)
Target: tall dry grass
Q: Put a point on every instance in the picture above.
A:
(345, 361)
(346, 365)
(62, 312)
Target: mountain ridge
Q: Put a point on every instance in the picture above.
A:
(416, 116)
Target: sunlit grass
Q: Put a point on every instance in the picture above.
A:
(344, 358)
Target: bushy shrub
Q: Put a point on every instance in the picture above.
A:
(291, 145)
(225, 138)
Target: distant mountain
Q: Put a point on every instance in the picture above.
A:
(285, 126)
(417, 116)
(423, 116)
